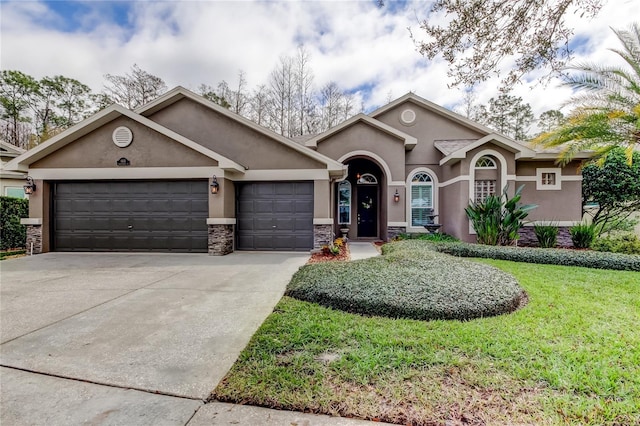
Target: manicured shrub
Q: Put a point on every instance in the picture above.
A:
(13, 234)
(547, 235)
(436, 237)
(588, 259)
(582, 235)
(624, 243)
(409, 281)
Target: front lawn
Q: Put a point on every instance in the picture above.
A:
(571, 356)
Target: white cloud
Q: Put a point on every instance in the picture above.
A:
(351, 42)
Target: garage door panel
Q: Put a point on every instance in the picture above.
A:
(275, 216)
(131, 216)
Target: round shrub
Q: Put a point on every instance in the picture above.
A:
(410, 281)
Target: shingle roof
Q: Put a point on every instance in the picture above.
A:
(447, 146)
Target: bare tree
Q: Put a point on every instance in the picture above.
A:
(260, 105)
(303, 92)
(331, 99)
(239, 97)
(135, 89)
(281, 93)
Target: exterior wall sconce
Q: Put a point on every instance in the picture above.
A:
(215, 186)
(396, 197)
(30, 187)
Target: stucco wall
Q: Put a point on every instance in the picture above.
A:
(363, 137)
(148, 149)
(230, 138)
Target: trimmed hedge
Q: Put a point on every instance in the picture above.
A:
(13, 234)
(410, 281)
(550, 256)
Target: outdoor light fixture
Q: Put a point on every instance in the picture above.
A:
(396, 196)
(30, 187)
(215, 186)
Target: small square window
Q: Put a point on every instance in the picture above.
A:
(548, 179)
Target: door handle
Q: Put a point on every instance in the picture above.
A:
(130, 227)
(274, 226)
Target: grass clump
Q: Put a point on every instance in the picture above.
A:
(410, 281)
(588, 259)
(582, 235)
(569, 357)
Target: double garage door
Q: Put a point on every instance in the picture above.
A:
(170, 216)
(131, 216)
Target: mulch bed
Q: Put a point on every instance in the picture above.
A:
(328, 257)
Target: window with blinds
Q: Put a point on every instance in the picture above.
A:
(344, 203)
(421, 199)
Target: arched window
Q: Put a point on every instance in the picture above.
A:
(367, 178)
(484, 186)
(344, 203)
(485, 162)
(421, 199)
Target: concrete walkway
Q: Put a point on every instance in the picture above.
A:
(136, 339)
(362, 250)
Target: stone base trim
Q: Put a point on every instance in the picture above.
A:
(394, 231)
(220, 240)
(528, 237)
(322, 235)
(34, 239)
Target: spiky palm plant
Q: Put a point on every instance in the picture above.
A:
(606, 113)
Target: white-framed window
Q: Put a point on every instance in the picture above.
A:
(367, 179)
(421, 199)
(344, 203)
(14, 191)
(486, 162)
(484, 188)
(548, 179)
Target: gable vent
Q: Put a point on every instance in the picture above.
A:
(408, 117)
(122, 136)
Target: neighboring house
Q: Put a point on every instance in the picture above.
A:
(11, 182)
(143, 180)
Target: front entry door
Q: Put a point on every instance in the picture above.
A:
(367, 211)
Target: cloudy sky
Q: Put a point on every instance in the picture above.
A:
(365, 49)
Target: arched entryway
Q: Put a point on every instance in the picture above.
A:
(360, 199)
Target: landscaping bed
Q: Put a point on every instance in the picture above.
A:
(569, 357)
(410, 281)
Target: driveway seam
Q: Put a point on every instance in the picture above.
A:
(111, 385)
(92, 307)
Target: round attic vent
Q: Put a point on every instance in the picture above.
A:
(122, 136)
(408, 116)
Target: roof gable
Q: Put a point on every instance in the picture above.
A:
(178, 93)
(98, 120)
(408, 140)
(435, 108)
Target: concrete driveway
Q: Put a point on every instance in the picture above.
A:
(127, 338)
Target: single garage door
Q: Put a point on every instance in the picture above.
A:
(275, 216)
(164, 216)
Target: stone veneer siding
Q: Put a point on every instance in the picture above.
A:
(528, 237)
(394, 231)
(220, 240)
(34, 236)
(322, 235)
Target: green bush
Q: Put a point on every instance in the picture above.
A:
(582, 235)
(409, 281)
(547, 235)
(588, 259)
(498, 218)
(624, 243)
(13, 234)
(437, 237)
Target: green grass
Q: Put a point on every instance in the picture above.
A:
(571, 356)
